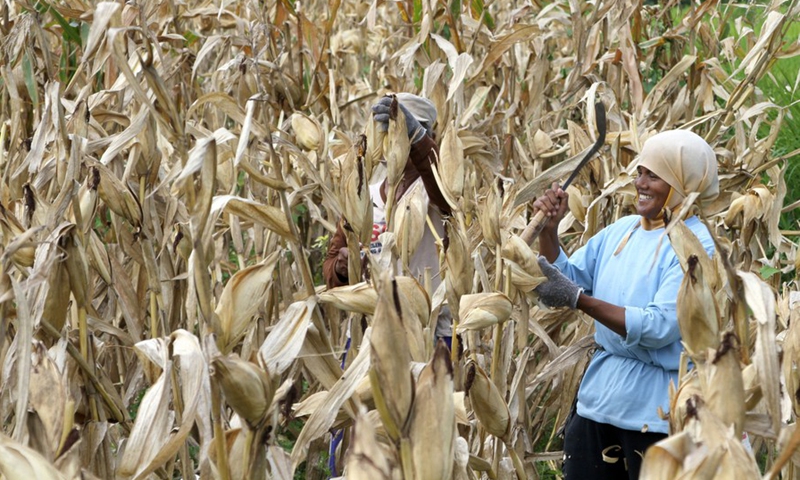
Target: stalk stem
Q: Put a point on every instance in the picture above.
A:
(518, 466)
(223, 468)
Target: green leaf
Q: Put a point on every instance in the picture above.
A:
(767, 271)
(455, 8)
(72, 32)
(417, 11)
(479, 11)
(190, 37)
(30, 81)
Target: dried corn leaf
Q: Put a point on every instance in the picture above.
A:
(761, 301)
(18, 462)
(323, 418)
(249, 210)
(284, 343)
(244, 293)
(153, 422)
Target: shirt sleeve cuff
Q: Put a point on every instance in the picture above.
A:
(562, 260)
(633, 326)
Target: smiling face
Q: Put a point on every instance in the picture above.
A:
(652, 191)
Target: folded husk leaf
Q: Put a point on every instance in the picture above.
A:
(481, 310)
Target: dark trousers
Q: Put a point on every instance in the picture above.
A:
(599, 451)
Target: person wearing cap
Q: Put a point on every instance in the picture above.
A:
(420, 114)
(627, 278)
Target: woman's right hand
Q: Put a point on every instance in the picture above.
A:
(554, 205)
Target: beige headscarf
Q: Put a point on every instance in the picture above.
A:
(686, 162)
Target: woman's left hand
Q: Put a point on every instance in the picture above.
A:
(558, 290)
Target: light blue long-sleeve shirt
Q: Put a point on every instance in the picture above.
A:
(628, 379)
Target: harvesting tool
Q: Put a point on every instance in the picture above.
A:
(537, 223)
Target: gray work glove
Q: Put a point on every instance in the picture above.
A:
(380, 112)
(558, 290)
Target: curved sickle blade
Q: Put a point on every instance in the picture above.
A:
(537, 223)
(600, 114)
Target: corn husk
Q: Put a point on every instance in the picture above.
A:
(678, 407)
(685, 244)
(117, 196)
(22, 255)
(722, 385)
(373, 154)
(357, 298)
(576, 203)
(664, 460)
(489, 212)
(730, 458)
(357, 200)
(744, 209)
(487, 402)
(19, 462)
(451, 168)
(791, 355)
(86, 201)
(362, 298)
(542, 143)
(698, 314)
(481, 310)
(432, 428)
(368, 459)
(247, 388)
(396, 145)
(307, 132)
(525, 272)
(392, 385)
(458, 259)
(409, 221)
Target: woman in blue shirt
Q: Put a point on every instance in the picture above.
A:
(627, 278)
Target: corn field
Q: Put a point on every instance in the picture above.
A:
(171, 174)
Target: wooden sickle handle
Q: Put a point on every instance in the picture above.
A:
(534, 228)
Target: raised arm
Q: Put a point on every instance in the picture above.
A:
(423, 155)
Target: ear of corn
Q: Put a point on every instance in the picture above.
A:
(392, 385)
(359, 298)
(409, 221)
(432, 428)
(722, 385)
(679, 401)
(664, 460)
(458, 260)
(451, 168)
(307, 132)
(367, 459)
(481, 310)
(357, 200)
(489, 217)
(487, 402)
(244, 293)
(525, 272)
(247, 388)
(698, 316)
(396, 144)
